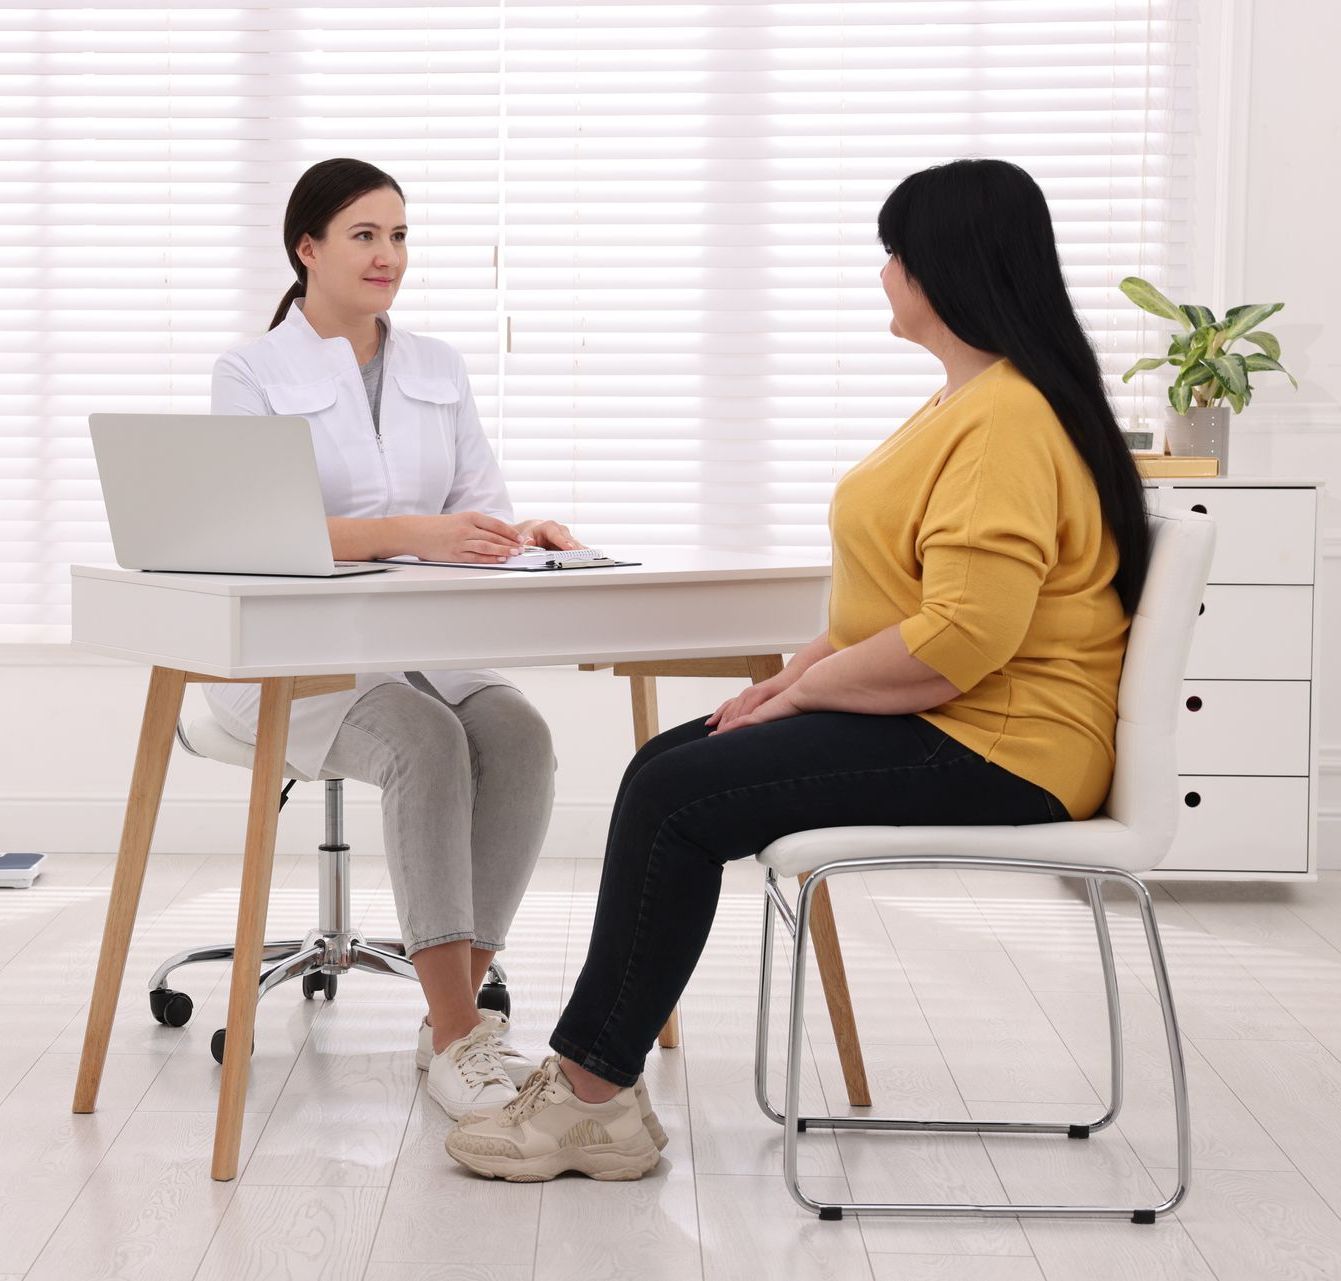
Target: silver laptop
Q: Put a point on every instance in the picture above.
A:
(215, 494)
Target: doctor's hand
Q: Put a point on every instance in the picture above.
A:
(549, 534)
(468, 536)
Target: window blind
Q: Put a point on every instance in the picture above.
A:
(650, 227)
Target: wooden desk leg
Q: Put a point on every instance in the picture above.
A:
(267, 777)
(162, 706)
(829, 957)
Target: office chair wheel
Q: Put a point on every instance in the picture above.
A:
(217, 1044)
(494, 996)
(325, 983)
(173, 1009)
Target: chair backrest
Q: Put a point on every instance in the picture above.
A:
(1144, 795)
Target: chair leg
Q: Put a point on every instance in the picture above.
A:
(794, 1124)
(1177, 1064)
(766, 944)
(162, 706)
(829, 958)
(306, 961)
(368, 956)
(258, 860)
(1094, 889)
(218, 952)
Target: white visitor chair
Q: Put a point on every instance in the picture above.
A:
(1129, 836)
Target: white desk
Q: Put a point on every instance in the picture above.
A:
(303, 637)
(675, 605)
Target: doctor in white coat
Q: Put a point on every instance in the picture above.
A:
(406, 469)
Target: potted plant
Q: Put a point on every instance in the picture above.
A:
(1209, 374)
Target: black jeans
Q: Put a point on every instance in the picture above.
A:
(688, 802)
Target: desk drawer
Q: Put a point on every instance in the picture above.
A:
(1261, 535)
(1240, 825)
(1244, 727)
(1253, 634)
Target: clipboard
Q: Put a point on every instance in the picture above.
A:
(539, 561)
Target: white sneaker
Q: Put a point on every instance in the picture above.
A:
(651, 1121)
(547, 1129)
(515, 1063)
(469, 1073)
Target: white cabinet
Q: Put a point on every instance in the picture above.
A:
(1247, 731)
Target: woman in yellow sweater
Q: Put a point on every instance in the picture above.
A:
(986, 560)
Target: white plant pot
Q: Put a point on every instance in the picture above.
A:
(1202, 433)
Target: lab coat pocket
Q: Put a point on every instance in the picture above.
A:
(436, 391)
(301, 398)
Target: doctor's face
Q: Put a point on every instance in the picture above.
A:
(358, 265)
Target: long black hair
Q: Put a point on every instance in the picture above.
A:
(976, 237)
(320, 194)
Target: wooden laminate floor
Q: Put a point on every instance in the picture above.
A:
(976, 995)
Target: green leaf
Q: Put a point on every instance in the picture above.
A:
(1180, 394)
(1146, 362)
(1260, 364)
(1235, 399)
(1148, 298)
(1232, 370)
(1242, 319)
(1198, 315)
(1269, 343)
(1178, 347)
(1199, 342)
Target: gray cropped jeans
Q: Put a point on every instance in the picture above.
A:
(467, 790)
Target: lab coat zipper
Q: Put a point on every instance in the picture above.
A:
(386, 471)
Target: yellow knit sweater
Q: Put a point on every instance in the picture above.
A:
(976, 530)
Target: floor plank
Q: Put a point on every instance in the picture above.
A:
(150, 1208)
(300, 1234)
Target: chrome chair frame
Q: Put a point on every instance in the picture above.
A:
(794, 1124)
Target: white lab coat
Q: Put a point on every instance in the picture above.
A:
(433, 458)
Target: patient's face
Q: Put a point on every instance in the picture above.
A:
(359, 264)
(913, 317)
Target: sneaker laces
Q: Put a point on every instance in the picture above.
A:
(499, 1024)
(477, 1059)
(540, 1088)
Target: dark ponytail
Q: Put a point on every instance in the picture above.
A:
(320, 194)
(296, 290)
(977, 238)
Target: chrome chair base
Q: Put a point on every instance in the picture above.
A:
(798, 926)
(319, 958)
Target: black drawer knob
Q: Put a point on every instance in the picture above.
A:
(1194, 704)
(1199, 507)
(1202, 610)
(1192, 800)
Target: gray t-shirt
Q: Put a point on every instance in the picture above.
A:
(372, 379)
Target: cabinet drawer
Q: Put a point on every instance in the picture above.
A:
(1261, 535)
(1244, 727)
(1253, 634)
(1240, 825)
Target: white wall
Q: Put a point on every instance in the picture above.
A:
(1267, 200)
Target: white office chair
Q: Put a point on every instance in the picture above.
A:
(1129, 836)
(334, 947)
